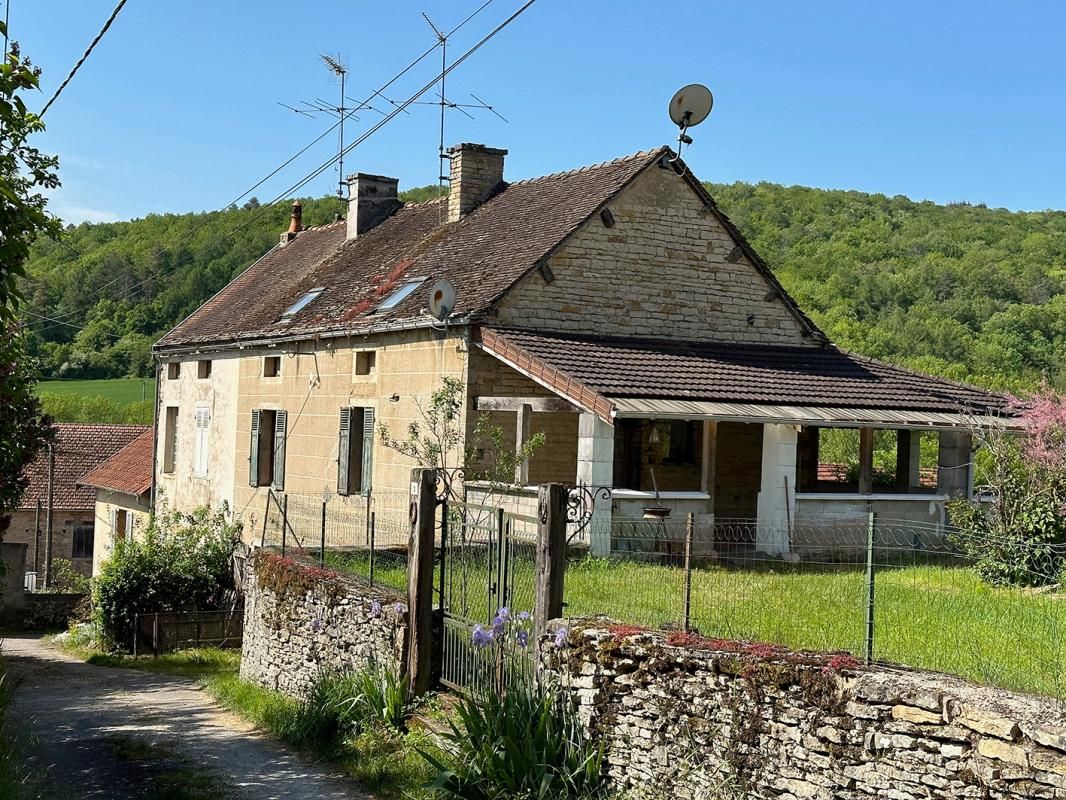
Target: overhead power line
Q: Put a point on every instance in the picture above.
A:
(84, 56)
(399, 108)
(59, 319)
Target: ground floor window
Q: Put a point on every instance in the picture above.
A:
(82, 542)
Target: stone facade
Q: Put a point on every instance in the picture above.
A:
(666, 268)
(182, 488)
(65, 522)
(108, 505)
(301, 621)
(685, 717)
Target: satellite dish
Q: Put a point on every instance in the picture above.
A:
(690, 105)
(441, 299)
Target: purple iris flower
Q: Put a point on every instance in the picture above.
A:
(503, 613)
(399, 608)
(482, 636)
(560, 637)
(316, 625)
(375, 609)
(523, 615)
(523, 639)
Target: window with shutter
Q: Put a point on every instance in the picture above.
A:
(280, 423)
(202, 423)
(368, 450)
(344, 452)
(253, 450)
(170, 439)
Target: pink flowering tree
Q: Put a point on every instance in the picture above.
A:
(1016, 530)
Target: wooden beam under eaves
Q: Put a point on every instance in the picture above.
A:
(538, 404)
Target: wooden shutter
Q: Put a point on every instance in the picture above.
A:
(344, 452)
(368, 450)
(281, 419)
(253, 451)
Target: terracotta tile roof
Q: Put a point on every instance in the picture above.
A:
(809, 376)
(78, 449)
(482, 254)
(129, 470)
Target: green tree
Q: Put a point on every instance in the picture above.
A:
(24, 174)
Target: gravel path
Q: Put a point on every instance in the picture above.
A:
(106, 732)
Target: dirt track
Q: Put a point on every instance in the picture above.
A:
(120, 733)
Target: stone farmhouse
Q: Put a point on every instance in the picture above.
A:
(77, 449)
(123, 486)
(615, 308)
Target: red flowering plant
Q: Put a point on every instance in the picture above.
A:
(1016, 528)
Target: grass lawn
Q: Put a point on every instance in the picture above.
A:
(120, 390)
(926, 616)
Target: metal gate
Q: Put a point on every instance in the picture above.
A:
(485, 564)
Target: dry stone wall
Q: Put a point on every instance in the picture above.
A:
(300, 621)
(698, 718)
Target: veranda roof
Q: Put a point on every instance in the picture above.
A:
(617, 377)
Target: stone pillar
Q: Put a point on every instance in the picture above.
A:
(955, 464)
(777, 495)
(595, 468)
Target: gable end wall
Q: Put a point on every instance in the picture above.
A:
(661, 271)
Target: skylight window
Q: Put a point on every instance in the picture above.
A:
(301, 304)
(399, 295)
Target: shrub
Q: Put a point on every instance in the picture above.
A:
(67, 579)
(183, 563)
(526, 743)
(1019, 538)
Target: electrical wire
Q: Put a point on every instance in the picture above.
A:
(399, 108)
(129, 291)
(83, 58)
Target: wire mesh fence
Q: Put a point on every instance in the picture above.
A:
(891, 591)
(363, 536)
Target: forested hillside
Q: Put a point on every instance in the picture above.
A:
(963, 291)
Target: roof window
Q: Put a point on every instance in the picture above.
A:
(399, 295)
(302, 303)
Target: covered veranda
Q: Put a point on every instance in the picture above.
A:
(761, 444)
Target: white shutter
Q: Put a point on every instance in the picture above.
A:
(203, 428)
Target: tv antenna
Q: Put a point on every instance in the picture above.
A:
(689, 106)
(444, 103)
(337, 66)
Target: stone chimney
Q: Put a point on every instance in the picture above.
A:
(295, 224)
(371, 200)
(476, 173)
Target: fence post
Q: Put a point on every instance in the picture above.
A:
(690, 529)
(420, 581)
(372, 528)
(871, 528)
(322, 545)
(266, 516)
(284, 523)
(155, 636)
(551, 555)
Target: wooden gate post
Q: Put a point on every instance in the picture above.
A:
(420, 558)
(551, 554)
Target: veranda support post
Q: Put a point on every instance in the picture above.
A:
(871, 529)
(420, 557)
(551, 555)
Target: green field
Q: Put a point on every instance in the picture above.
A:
(941, 618)
(120, 390)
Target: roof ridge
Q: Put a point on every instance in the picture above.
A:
(642, 154)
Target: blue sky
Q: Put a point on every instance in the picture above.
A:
(176, 110)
